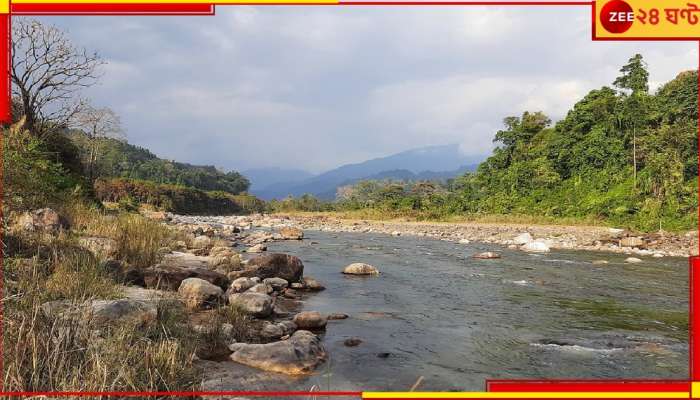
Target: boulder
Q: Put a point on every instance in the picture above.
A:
(311, 320)
(312, 284)
(631, 242)
(101, 247)
(535, 247)
(487, 255)
(242, 284)
(352, 342)
(104, 312)
(198, 293)
(523, 238)
(170, 277)
(336, 316)
(257, 304)
(289, 233)
(360, 269)
(464, 241)
(274, 265)
(300, 354)
(632, 260)
(44, 220)
(272, 331)
(276, 283)
(263, 288)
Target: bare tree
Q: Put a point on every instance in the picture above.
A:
(97, 124)
(48, 72)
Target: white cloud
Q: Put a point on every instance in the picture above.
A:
(315, 87)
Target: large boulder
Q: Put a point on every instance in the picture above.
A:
(198, 293)
(289, 233)
(104, 312)
(256, 304)
(169, 277)
(298, 355)
(44, 220)
(310, 320)
(360, 269)
(274, 265)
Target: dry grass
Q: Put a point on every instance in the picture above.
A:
(50, 353)
(139, 239)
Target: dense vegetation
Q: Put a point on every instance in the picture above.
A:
(178, 199)
(621, 156)
(118, 159)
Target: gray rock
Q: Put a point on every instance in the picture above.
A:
(276, 283)
(198, 293)
(310, 320)
(263, 288)
(257, 304)
(275, 265)
(360, 269)
(242, 284)
(298, 355)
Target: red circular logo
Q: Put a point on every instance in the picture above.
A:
(617, 16)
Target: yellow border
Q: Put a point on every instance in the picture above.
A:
(171, 2)
(526, 395)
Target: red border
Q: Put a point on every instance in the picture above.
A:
(111, 9)
(602, 385)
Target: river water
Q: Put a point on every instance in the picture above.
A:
(456, 321)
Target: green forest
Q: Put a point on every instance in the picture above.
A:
(116, 158)
(621, 156)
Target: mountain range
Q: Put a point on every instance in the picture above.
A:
(425, 163)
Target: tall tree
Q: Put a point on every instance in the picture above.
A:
(635, 79)
(48, 72)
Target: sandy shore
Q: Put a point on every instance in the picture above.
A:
(593, 238)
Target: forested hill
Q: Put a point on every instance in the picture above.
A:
(621, 154)
(119, 159)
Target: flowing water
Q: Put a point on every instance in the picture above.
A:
(438, 313)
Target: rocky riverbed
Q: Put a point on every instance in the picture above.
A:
(297, 334)
(591, 238)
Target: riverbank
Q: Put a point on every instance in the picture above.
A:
(567, 237)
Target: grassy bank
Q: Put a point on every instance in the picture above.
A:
(49, 352)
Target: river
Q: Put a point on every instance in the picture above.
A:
(456, 321)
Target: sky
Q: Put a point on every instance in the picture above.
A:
(316, 87)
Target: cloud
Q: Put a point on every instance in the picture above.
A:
(316, 87)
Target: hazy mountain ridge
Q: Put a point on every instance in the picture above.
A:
(434, 162)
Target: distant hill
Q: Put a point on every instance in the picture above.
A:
(119, 159)
(434, 162)
(262, 178)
